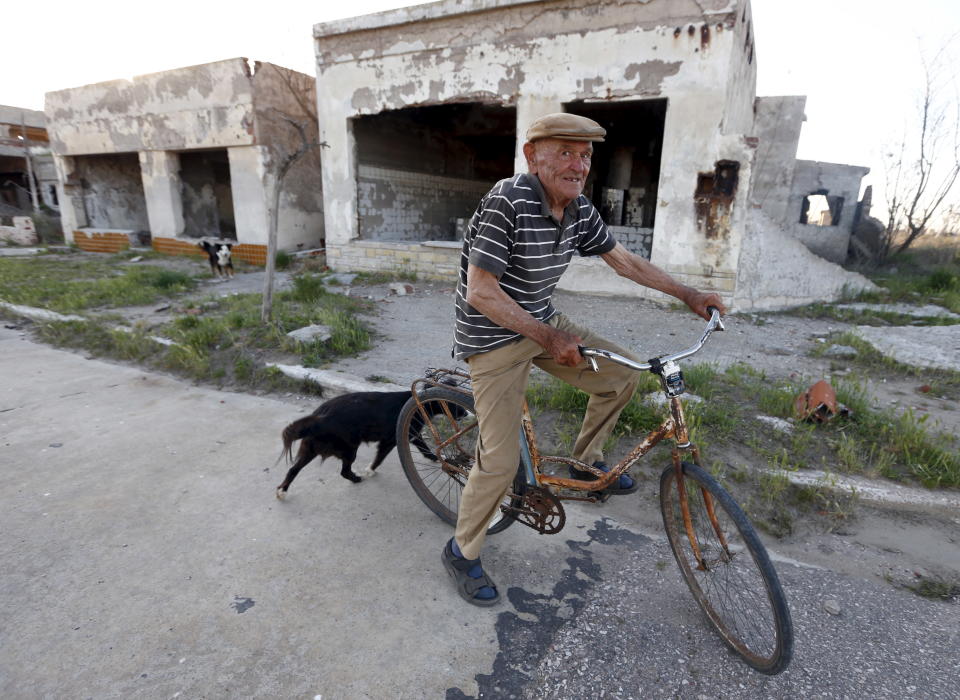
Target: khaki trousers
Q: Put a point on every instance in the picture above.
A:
(499, 380)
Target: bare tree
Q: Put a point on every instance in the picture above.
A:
(302, 127)
(924, 166)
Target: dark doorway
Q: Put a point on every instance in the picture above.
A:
(626, 167)
(422, 170)
(207, 194)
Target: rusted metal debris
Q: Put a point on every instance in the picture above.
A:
(818, 404)
(713, 199)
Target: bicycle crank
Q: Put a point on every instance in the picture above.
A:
(540, 510)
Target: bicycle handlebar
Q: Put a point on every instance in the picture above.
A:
(714, 324)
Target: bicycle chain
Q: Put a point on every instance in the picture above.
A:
(539, 510)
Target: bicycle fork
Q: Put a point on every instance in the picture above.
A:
(682, 442)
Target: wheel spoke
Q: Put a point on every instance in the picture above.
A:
(736, 586)
(449, 432)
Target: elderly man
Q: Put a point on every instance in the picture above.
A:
(520, 240)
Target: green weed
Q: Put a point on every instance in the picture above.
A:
(78, 283)
(935, 589)
(282, 260)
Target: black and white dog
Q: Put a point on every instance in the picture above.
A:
(219, 255)
(337, 428)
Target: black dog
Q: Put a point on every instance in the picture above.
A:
(219, 255)
(337, 428)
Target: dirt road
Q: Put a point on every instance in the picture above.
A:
(145, 556)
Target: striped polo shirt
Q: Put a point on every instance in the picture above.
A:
(513, 235)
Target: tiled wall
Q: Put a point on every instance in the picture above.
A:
(101, 241)
(247, 252)
(399, 205)
(636, 240)
(430, 261)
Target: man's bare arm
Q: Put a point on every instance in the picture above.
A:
(485, 295)
(645, 273)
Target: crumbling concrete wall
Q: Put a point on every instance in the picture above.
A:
(536, 56)
(281, 95)
(206, 106)
(166, 118)
(840, 183)
(778, 271)
(112, 192)
(777, 129)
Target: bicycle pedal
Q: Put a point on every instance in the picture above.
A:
(601, 496)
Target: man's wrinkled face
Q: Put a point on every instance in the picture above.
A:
(562, 167)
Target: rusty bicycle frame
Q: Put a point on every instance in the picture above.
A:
(673, 427)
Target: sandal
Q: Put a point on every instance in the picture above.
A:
(468, 586)
(625, 484)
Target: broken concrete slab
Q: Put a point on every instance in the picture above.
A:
(15, 252)
(784, 426)
(309, 334)
(343, 278)
(879, 493)
(401, 289)
(936, 347)
(925, 311)
(38, 314)
(842, 351)
(334, 383)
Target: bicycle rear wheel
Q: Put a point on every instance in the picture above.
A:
(733, 580)
(437, 451)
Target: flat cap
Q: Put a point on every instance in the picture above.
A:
(561, 125)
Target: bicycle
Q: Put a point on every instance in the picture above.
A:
(720, 556)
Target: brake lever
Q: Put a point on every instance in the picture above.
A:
(591, 360)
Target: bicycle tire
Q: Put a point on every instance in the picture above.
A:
(439, 483)
(740, 595)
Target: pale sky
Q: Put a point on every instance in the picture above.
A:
(858, 61)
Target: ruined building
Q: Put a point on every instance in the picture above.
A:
(814, 202)
(24, 154)
(425, 107)
(172, 157)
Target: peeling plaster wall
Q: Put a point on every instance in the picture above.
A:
(223, 105)
(206, 106)
(249, 180)
(777, 129)
(741, 84)
(538, 55)
(160, 171)
(112, 192)
(829, 242)
(281, 94)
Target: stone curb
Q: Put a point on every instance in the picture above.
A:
(39, 314)
(335, 383)
(887, 494)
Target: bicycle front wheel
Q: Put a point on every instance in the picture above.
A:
(727, 568)
(437, 450)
